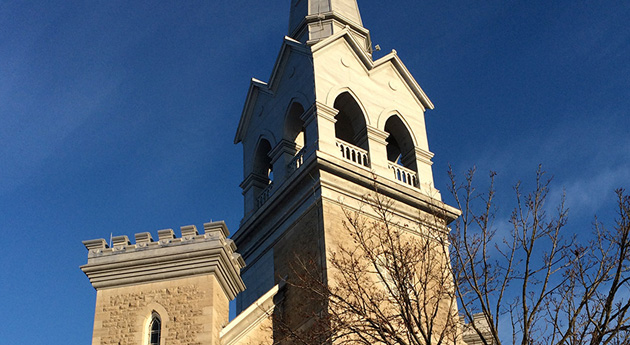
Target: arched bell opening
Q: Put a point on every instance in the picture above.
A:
(263, 172)
(401, 151)
(295, 134)
(350, 128)
(294, 130)
(262, 161)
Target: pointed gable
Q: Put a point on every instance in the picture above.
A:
(370, 65)
(258, 87)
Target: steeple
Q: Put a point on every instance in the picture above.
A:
(330, 126)
(313, 20)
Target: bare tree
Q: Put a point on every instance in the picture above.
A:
(529, 280)
(387, 283)
(534, 281)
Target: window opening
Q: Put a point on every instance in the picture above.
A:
(155, 329)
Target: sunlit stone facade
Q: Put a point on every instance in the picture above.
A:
(329, 126)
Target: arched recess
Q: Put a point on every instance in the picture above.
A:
(294, 130)
(145, 320)
(400, 143)
(350, 126)
(262, 166)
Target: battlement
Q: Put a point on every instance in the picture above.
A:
(166, 258)
(166, 237)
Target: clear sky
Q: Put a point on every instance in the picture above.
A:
(119, 117)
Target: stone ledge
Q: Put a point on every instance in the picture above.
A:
(170, 258)
(250, 318)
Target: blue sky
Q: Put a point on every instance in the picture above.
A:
(119, 117)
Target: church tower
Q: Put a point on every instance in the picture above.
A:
(330, 126)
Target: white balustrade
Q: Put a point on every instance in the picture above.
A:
(354, 154)
(264, 195)
(404, 175)
(296, 162)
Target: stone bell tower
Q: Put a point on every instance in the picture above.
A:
(331, 124)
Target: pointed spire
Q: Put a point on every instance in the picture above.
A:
(313, 20)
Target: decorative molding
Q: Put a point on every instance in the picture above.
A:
(370, 65)
(424, 156)
(284, 146)
(170, 258)
(377, 135)
(325, 112)
(254, 180)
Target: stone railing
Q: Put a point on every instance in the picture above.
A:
(296, 162)
(264, 195)
(404, 175)
(354, 154)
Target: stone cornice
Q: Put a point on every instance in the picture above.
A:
(326, 112)
(424, 156)
(377, 135)
(169, 258)
(284, 146)
(254, 179)
(356, 174)
(391, 189)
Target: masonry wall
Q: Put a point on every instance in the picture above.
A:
(433, 268)
(192, 310)
(298, 257)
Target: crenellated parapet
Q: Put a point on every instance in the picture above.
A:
(168, 257)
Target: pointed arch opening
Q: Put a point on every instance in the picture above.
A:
(294, 130)
(351, 130)
(262, 161)
(155, 329)
(401, 152)
(350, 126)
(263, 171)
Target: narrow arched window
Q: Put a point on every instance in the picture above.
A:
(155, 329)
